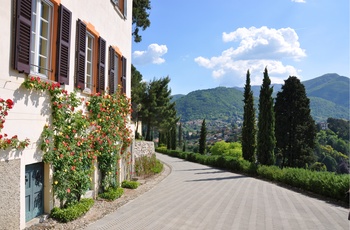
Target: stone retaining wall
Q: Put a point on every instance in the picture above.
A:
(142, 148)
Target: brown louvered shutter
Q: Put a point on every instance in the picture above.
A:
(23, 35)
(111, 71)
(80, 55)
(63, 46)
(124, 74)
(101, 65)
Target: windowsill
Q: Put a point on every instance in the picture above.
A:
(119, 12)
(42, 77)
(87, 91)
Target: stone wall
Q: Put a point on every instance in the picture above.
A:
(10, 204)
(142, 148)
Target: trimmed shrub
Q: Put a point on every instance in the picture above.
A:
(112, 194)
(72, 212)
(272, 173)
(130, 184)
(327, 184)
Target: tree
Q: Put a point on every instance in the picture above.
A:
(140, 17)
(248, 129)
(266, 124)
(203, 139)
(340, 127)
(158, 113)
(295, 129)
(138, 88)
(180, 135)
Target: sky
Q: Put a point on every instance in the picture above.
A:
(206, 44)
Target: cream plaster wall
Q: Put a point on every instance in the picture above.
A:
(32, 109)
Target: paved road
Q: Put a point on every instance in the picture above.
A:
(195, 196)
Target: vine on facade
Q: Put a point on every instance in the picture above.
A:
(77, 138)
(5, 141)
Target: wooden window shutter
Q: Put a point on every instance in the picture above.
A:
(101, 65)
(124, 74)
(80, 55)
(23, 36)
(111, 71)
(63, 46)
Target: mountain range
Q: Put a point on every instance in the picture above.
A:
(328, 94)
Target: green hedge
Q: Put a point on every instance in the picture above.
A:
(130, 184)
(327, 184)
(112, 194)
(73, 211)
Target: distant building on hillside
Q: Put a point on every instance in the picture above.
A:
(323, 125)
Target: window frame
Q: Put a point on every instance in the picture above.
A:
(98, 57)
(36, 43)
(116, 76)
(89, 62)
(60, 30)
(121, 7)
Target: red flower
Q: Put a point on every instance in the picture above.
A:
(9, 103)
(68, 190)
(8, 141)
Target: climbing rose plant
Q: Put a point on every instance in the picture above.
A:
(77, 138)
(109, 116)
(5, 141)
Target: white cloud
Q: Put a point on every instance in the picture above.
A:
(153, 55)
(299, 1)
(256, 49)
(265, 43)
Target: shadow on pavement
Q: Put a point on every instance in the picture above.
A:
(218, 178)
(199, 169)
(211, 172)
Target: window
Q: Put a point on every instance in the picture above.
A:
(113, 73)
(39, 23)
(121, 6)
(88, 61)
(41, 37)
(90, 52)
(117, 70)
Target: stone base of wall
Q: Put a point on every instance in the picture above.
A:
(10, 204)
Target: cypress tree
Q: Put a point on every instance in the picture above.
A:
(266, 124)
(248, 129)
(295, 129)
(203, 138)
(173, 137)
(180, 135)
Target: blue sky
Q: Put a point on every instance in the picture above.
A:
(206, 44)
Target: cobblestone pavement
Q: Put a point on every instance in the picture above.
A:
(195, 196)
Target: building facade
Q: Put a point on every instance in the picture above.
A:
(83, 44)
